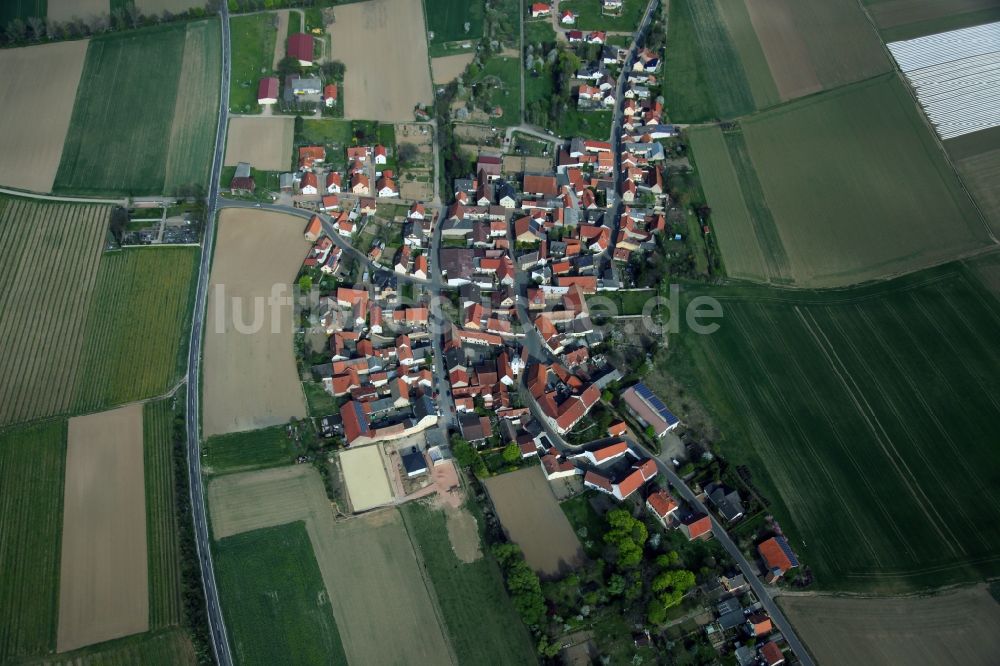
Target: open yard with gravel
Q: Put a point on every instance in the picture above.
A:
(387, 69)
(250, 378)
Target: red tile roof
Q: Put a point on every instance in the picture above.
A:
(699, 527)
(774, 555)
(268, 88)
(598, 480)
(661, 503)
(300, 47)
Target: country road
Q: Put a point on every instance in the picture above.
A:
(216, 621)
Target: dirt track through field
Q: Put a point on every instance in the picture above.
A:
(958, 627)
(251, 380)
(265, 142)
(36, 117)
(382, 46)
(382, 607)
(533, 519)
(784, 48)
(103, 585)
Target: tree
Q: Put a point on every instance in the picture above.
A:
(464, 453)
(288, 65)
(305, 284)
(37, 27)
(406, 153)
(512, 453)
(628, 535)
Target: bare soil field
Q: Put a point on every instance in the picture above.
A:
(381, 604)
(64, 10)
(958, 627)
(36, 117)
(448, 68)
(534, 521)
(160, 6)
(784, 49)
(266, 142)
(250, 376)
(364, 473)
(387, 72)
(103, 584)
(463, 533)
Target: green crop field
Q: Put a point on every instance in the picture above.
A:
(277, 609)
(32, 469)
(867, 417)
(134, 339)
(704, 77)
(170, 647)
(122, 129)
(447, 19)
(245, 451)
(856, 186)
(977, 158)
(49, 259)
(252, 38)
(22, 9)
(589, 16)
(481, 621)
(161, 516)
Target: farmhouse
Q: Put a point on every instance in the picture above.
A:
(662, 506)
(777, 556)
(300, 47)
(314, 229)
(297, 85)
(649, 410)
(267, 91)
(242, 182)
(540, 9)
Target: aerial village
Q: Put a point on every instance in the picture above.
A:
(474, 325)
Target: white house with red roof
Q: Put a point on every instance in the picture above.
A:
(381, 154)
(662, 505)
(567, 17)
(540, 9)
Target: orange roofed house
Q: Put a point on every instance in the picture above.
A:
(777, 556)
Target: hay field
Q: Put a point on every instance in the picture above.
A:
(530, 515)
(867, 417)
(448, 68)
(480, 618)
(277, 609)
(956, 627)
(123, 126)
(64, 10)
(140, 309)
(103, 583)
(266, 143)
(856, 186)
(364, 473)
(194, 123)
(381, 596)
(42, 244)
(32, 467)
(387, 69)
(36, 118)
(250, 377)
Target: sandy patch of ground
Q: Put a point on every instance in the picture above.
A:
(387, 72)
(266, 143)
(463, 532)
(383, 609)
(103, 584)
(364, 474)
(36, 117)
(784, 48)
(534, 521)
(64, 10)
(448, 68)
(958, 627)
(159, 6)
(250, 378)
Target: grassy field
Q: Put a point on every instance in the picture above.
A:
(49, 259)
(866, 417)
(32, 468)
(252, 38)
(245, 451)
(856, 185)
(22, 9)
(161, 518)
(624, 302)
(170, 647)
(134, 341)
(479, 617)
(704, 77)
(122, 131)
(589, 15)
(277, 610)
(447, 19)
(504, 78)
(539, 31)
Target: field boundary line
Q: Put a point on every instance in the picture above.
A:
(58, 198)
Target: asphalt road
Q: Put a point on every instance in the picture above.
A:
(216, 622)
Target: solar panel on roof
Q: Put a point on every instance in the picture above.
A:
(656, 404)
(783, 543)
